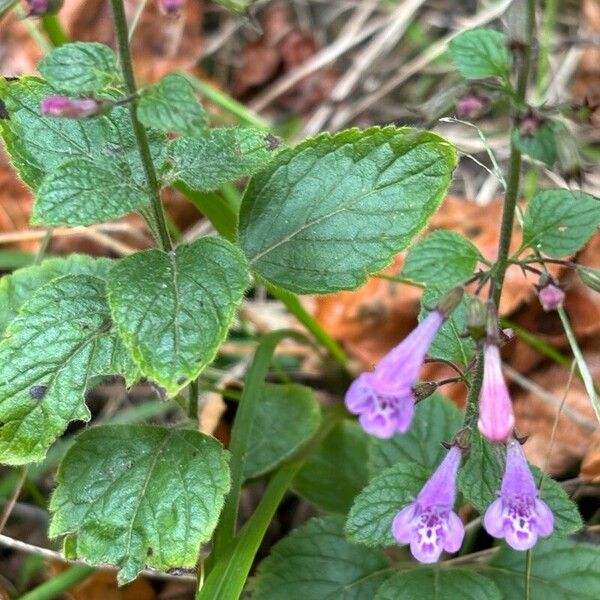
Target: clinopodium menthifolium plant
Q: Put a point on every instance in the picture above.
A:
(410, 496)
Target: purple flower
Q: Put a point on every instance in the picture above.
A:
(74, 108)
(470, 105)
(384, 397)
(39, 8)
(496, 418)
(551, 297)
(171, 8)
(518, 515)
(429, 524)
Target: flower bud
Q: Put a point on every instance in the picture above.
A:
(551, 297)
(450, 301)
(74, 108)
(470, 105)
(423, 390)
(589, 276)
(171, 8)
(39, 8)
(476, 318)
(529, 124)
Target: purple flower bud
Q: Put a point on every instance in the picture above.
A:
(171, 8)
(551, 297)
(384, 398)
(518, 515)
(470, 105)
(496, 418)
(429, 524)
(74, 108)
(529, 124)
(39, 8)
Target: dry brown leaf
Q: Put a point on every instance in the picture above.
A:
(590, 466)
(586, 85)
(15, 207)
(18, 51)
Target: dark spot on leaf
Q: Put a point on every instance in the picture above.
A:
(3, 111)
(181, 381)
(37, 392)
(273, 142)
(84, 325)
(150, 551)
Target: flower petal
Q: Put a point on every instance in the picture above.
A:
(493, 520)
(521, 539)
(404, 413)
(544, 522)
(403, 525)
(379, 423)
(455, 533)
(360, 395)
(425, 551)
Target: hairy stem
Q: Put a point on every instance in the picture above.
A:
(138, 129)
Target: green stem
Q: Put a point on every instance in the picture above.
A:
(54, 30)
(240, 435)
(514, 172)
(472, 407)
(41, 253)
(546, 39)
(138, 129)
(193, 400)
(61, 583)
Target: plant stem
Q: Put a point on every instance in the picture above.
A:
(514, 172)
(472, 407)
(547, 37)
(61, 583)
(54, 30)
(138, 129)
(193, 400)
(41, 253)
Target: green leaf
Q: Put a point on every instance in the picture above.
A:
(337, 470)
(325, 214)
(443, 259)
(60, 340)
(481, 474)
(449, 343)
(436, 420)
(171, 106)
(561, 570)
(287, 417)
(221, 156)
(174, 322)
(138, 495)
(560, 222)
(540, 146)
(480, 53)
(315, 562)
(589, 276)
(79, 67)
(370, 518)
(82, 192)
(18, 287)
(38, 145)
(438, 584)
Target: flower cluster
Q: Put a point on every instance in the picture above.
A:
(73, 108)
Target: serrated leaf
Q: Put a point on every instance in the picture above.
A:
(82, 192)
(560, 222)
(48, 355)
(171, 106)
(316, 562)
(370, 518)
(560, 570)
(287, 416)
(174, 321)
(38, 145)
(79, 67)
(480, 53)
(325, 214)
(438, 584)
(436, 420)
(540, 146)
(337, 470)
(221, 156)
(20, 285)
(450, 342)
(137, 495)
(442, 259)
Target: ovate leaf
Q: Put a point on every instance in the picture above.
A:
(337, 470)
(370, 518)
(325, 214)
(174, 321)
(287, 416)
(480, 53)
(560, 570)
(59, 341)
(82, 192)
(438, 584)
(316, 562)
(79, 67)
(436, 420)
(171, 106)
(137, 495)
(560, 222)
(442, 259)
(221, 156)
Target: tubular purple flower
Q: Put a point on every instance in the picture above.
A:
(384, 398)
(496, 418)
(429, 524)
(551, 297)
(171, 8)
(74, 108)
(518, 515)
